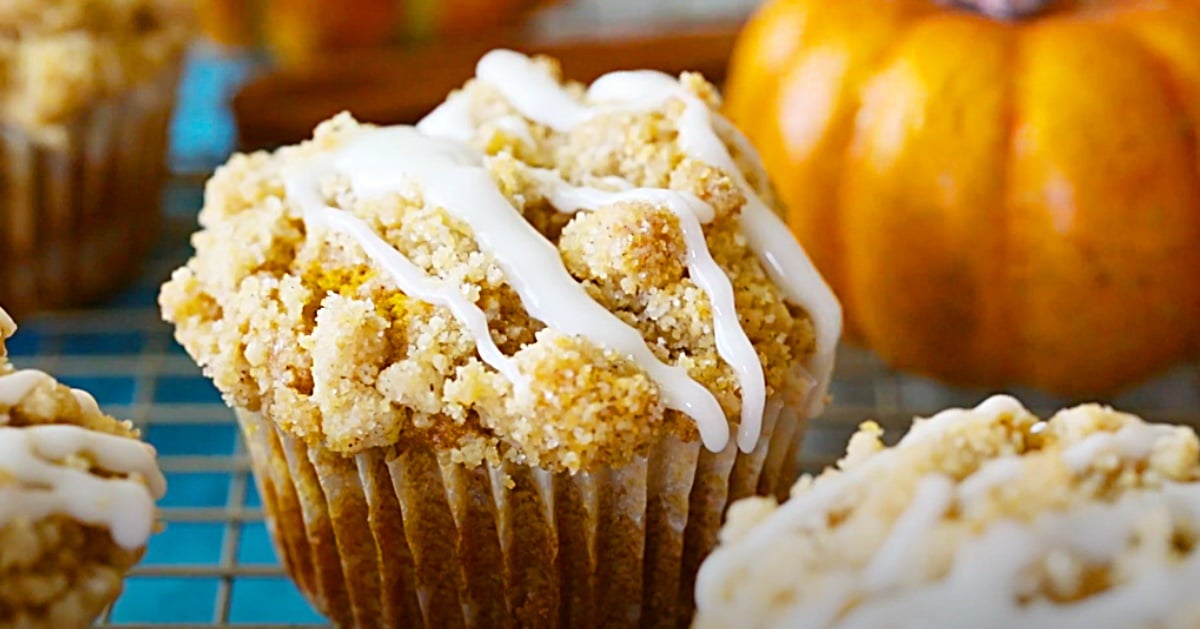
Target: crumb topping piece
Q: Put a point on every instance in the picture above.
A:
(982, 517)
(500, 286)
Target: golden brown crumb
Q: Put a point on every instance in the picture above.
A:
(1089, 503)
(302, 326)
(59, 57)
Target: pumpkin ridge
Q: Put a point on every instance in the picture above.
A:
(837, 271)
(995, 302)
(1162, 66)
(838, 263)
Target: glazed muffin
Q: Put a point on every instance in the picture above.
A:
(534, 346)
(87, 92)
(986, 517)
(77, 494)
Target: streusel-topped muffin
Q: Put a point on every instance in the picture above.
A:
(86, 92)
(977, 518)
(536, 343)
(77, 493)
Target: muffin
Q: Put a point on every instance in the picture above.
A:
(985, 518)
(508, 367)
(77, 494)
(86, 92)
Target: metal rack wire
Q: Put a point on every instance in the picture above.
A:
(213, 565)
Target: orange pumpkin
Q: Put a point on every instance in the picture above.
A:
(995, 200)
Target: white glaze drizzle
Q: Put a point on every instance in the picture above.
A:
(45, 487)
(14, 386)
(7, 327)
(533, 92)
(934, 495)
(301, 184)
(451, 119)
(1131, 442)
(980, 589)
(384, 161)
(732, 343)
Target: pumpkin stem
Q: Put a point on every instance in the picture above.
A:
(1003, 9)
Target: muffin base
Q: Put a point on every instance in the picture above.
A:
(509, 546)
(79, 210)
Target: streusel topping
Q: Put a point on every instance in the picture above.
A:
(500, 285)
(983, 518)
(59, 57)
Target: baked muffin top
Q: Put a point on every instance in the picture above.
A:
(59, 57)
(984, 518)
(61, 456)
(539, 272)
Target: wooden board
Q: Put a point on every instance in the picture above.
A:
(399, 86)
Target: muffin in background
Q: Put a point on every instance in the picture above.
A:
(77, 494)
(86, 93)
(981, 518)
(508, 367)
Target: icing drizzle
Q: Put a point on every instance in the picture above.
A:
(46, 487)
(383, 161)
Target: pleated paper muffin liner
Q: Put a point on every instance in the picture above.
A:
(393, 538)
(79, 211)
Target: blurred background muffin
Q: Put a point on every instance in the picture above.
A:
(87, 90)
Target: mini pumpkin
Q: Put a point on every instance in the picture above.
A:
(1000, 191)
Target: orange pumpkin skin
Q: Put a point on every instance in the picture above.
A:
(994, 202)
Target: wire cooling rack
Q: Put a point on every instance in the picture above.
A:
(213, 564)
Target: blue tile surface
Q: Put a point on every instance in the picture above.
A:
(269, 600)
(255, 546)
(108, 390)
(186, 390)
(197, 489)
(25, 343)
(186, 543)
(192, 439)
(165, 600)
(102, 344)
